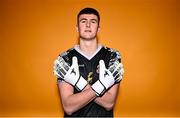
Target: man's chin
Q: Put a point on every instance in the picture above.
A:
(88, 38)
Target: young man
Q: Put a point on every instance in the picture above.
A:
(89, 73)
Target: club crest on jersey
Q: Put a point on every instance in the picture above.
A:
(90, 77)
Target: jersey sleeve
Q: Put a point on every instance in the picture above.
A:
(115, 56)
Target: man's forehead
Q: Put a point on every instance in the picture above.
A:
(88, 16)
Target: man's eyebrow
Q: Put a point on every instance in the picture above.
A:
(94, 19)
(83, 19)
(87, 19)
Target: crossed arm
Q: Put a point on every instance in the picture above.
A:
(72, 102)
(72, 78)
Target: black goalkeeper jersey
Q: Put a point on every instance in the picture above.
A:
(88, 67)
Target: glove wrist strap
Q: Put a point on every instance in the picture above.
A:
(98, 87)
(81, 84)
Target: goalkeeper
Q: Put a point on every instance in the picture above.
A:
(88, 74)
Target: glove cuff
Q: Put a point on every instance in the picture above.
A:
(98, 87)
(81, 84)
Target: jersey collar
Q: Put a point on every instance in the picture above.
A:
(77, 48)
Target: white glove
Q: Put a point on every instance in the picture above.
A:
(107, 77)
(69, 74)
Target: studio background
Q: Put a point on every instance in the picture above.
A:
(34, 32)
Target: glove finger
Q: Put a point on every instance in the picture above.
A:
(121, 68)
(118, 70)
(122, 71)
(101, 64)
(59, 67)
(58, 74)
(63, 63)
(115, 67)
(117, 77)
(120, 65)
(101, 68)
(75, 64)
(74, 60)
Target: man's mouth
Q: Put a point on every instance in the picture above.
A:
(87, 30)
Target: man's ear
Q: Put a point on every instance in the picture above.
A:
(77, 29)
(98, 29)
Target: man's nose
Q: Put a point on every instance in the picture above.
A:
(88, 24)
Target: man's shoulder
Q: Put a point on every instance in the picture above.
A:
(112, 51)
(67, 52)
(67, 55)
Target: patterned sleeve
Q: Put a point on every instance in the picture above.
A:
(115, 56)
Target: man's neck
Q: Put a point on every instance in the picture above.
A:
(88, 46)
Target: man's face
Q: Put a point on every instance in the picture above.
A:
(88, 26)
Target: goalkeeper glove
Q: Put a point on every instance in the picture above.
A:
(107, 77)
(70, 74)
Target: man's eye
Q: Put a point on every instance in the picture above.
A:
(93, 22)
(83, 21)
